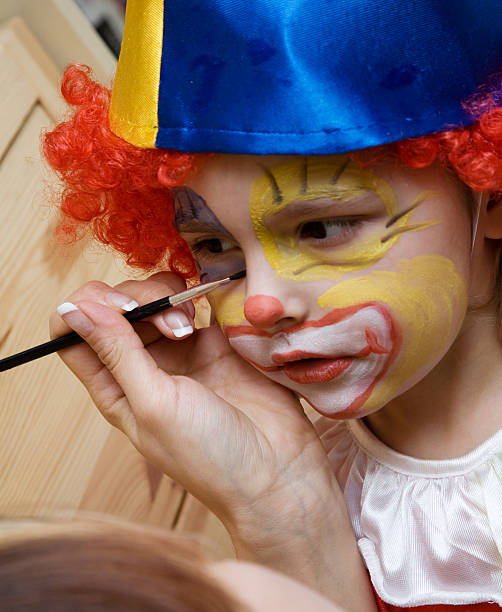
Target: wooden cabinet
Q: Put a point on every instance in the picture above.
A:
(57, 454)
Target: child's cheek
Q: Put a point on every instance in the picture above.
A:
(227, 306)
(427, 298)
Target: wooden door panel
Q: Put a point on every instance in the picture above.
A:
(57, 454)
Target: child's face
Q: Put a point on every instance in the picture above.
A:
(345, 302)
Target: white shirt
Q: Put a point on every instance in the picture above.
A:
(430, 531)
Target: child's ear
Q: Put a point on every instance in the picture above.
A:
(494, 216)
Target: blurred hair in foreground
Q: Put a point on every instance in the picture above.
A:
(103, 565)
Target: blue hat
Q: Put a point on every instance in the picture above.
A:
(299, 76)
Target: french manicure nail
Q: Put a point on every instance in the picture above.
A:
(75, 318)
(179, 323)
(183, 331)
(114, 298)
(65, 308)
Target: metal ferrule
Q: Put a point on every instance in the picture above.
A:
(194, 292)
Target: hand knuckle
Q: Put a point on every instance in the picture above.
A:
(145, 291)
(155, 291)
(128, 285)
(109, 353)
(93, 288)
(170, 279)
(113, 414)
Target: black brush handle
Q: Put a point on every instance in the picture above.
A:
(39, 351)
(141, 312)
(58, 344)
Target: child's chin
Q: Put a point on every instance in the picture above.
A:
(335, 406)
(338, 406)
(342, 413)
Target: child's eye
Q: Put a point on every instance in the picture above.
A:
(216, 258)
(212, 245)
(330, 231)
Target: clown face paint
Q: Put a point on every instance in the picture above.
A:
(428, 299)
(337, 362)
(339, 189)
(356, 264)
(334, 362)
(192, 216)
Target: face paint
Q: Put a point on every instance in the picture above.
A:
(427, 299)
(263, 310)
(228, 306)
(341, 194)
(384, 331)
(192, 214)
(333, 362)
(212, 246)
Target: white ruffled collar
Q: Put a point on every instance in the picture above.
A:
(430, 531)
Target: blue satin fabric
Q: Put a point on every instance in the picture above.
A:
(320, 76)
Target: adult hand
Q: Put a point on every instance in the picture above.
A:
(233, 438)
(191, 406)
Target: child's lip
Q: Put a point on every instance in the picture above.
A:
(282, 359)
(276, 352)
(316, 370)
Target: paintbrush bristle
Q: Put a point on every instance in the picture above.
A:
(237, 275)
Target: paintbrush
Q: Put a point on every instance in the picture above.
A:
(141, 312)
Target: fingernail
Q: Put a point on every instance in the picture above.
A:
(75, 318)
(114, 298)
(179, 323)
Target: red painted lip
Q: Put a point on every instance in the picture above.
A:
(281, 359)
(320, 368)
(316, 370)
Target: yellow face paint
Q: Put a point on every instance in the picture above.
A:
(228, 306)
(390, 327)
(427, 298)
(335, 178)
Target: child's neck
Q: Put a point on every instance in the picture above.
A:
(455, 407)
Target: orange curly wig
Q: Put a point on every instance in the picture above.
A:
(118, 191)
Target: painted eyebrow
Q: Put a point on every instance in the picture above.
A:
(278, 197)
(303, 176)
(340, 171)
(194, 226)
(301, 209)
(192, 214)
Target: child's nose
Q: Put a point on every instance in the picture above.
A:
(263, 311)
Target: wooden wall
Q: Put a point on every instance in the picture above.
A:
(57, 454)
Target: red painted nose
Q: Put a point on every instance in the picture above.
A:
(263, 310)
